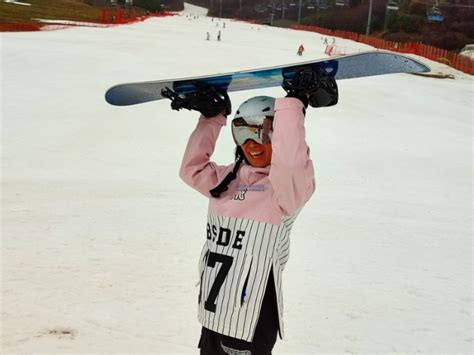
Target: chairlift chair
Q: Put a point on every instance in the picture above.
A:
(259, 9)
(323, 5)
(310, 5)
(434, 14)
(393, 5)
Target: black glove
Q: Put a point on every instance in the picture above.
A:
(207, 100)
(313, 86)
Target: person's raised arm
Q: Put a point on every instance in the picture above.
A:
(196, 168)
(291, 172)
(214, 104)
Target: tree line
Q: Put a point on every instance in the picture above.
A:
(156, 5)
(407, 24)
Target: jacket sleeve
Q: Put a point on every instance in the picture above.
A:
(196, 168)
(291, 172)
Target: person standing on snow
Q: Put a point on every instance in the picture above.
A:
(300, 50)
(253, 204)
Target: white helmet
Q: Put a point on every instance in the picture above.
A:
(259, 106)
(254, 120)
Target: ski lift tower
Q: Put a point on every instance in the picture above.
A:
(393, 5)
(272, 14)
(369, 19)
(128, 6)
(299, 11)
(113, 3)
(283, 9)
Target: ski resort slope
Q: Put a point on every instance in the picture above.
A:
(101, 240)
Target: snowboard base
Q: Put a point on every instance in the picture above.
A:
(343, 67)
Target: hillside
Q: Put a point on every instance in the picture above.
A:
(27, 11)
(407, 24)
(75, 10)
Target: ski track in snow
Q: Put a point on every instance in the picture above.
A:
(100, 238)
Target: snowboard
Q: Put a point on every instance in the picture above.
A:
(341, 67)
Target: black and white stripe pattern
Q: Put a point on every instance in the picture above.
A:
(253, 248)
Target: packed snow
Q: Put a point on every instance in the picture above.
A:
(100, 238)
(468, 51)
(17, 2)
(71, 23)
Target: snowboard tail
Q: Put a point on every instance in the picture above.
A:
(343, 67)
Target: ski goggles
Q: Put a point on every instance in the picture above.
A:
(259, 129)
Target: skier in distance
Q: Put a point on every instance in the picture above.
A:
(253, 204)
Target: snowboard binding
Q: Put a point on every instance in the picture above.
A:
(312, 85)
(205, 99)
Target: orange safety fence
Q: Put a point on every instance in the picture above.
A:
(19, 27)
(460, 62)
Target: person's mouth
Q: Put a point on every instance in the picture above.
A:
(256, 154)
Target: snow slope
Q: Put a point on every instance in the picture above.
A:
(100, 238)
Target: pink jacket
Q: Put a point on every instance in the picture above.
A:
(249, 226)
(287, 183)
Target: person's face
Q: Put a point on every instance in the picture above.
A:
(258, 155)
